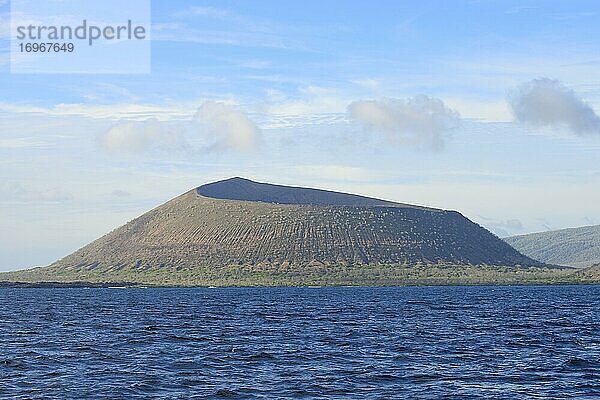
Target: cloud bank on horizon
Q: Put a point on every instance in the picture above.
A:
(420, 121)
(222, 126)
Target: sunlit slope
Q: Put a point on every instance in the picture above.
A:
(577, 247)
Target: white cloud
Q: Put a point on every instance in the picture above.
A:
(417, 121)
(230, 127)
(548, 103)
(139, 136)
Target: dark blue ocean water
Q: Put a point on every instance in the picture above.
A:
(414, 342)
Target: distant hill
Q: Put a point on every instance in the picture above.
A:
(275, 230)
(577, 247)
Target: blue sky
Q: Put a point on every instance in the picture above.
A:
(487, 107)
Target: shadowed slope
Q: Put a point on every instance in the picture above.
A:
(247, 190)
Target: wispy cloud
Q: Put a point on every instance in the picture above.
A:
(548, 103)
(4, 24)
(482, 109)
(206, 12)
(226, 28)
(419, 121)
(116, 111)
(22, 143)
(136, 136)
(566, 16)
(256, 64)
(4, 36)
(369, 83)
(343, 173)
(521, 9)
(309, 106)
(120, 193)
(16, 192)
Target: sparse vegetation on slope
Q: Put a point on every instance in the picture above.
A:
(577, 247)
(200, 240)
(311, 275)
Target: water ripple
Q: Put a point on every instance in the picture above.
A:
(351, 343)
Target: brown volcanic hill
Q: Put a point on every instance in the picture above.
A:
(241, 222)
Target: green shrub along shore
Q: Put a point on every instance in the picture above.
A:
(308, 275)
